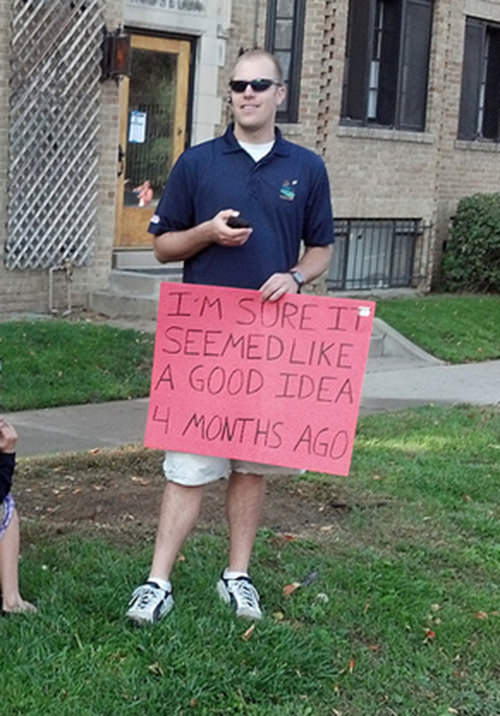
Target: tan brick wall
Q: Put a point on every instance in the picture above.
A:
(96, 275)
(380, 173)
(465, 167)
(29, 290)
(375, 173)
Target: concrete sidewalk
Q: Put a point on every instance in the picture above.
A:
(392, 383)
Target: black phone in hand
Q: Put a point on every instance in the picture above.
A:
(238, 222)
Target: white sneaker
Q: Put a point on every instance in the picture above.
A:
(243, 596)
(149, 603)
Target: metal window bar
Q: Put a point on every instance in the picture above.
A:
(482, 85)
(376, 254)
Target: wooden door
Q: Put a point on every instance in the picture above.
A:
(153, 104)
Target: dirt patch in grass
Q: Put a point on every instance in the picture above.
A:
(118, 494)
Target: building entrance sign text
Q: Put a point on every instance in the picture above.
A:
(182, 5)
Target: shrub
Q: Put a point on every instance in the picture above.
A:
(471, 261)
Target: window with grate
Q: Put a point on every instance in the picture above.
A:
(284, 36)
(387, 63)
(373, 253)
(480, 98)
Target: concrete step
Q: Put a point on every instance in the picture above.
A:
(132, 293)
(116, 305)
(396, 346)
(138, 260)
(141, 283)
(376, 344)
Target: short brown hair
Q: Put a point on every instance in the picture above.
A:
(256, 52)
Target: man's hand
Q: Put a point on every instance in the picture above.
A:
(277, 285)
(184, 244)
(8, 436)
(223, 234)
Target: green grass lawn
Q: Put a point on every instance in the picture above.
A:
(47, 363)
(409, 624)
(455, 328)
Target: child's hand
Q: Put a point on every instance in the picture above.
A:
(8, 436)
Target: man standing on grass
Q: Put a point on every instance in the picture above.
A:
(274, 193)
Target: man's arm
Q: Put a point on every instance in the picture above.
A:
(180, 245)
(313, 263)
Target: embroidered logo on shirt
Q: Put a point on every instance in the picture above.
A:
(287, 192)
(155, 219)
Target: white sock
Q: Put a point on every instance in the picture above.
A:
(163, 583)
(233, 575)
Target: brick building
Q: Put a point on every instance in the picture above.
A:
(400, 97)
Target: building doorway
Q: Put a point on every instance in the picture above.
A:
(154, 109)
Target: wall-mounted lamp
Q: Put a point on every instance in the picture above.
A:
(116, 54)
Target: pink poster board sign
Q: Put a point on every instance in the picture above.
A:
(278, 383)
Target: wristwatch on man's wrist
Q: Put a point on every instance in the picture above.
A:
(298, 278)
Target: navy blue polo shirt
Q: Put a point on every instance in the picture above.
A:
(285, 197)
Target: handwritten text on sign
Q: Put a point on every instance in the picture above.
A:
(277, 383)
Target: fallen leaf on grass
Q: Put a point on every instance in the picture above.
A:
(429, 635)
(140, 480)
(278, 540)
(482, 615)
(156, 669)
(351, 666)
(278, 616)
(290, 588)
(193, 703)
(180, 557)
(248, 634)
(451, 710)
(321, 597)
(308, 579)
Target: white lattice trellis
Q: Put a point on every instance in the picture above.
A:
(54, 123)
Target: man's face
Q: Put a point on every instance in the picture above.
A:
(253, 110)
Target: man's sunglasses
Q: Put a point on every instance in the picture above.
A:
(258, 85)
